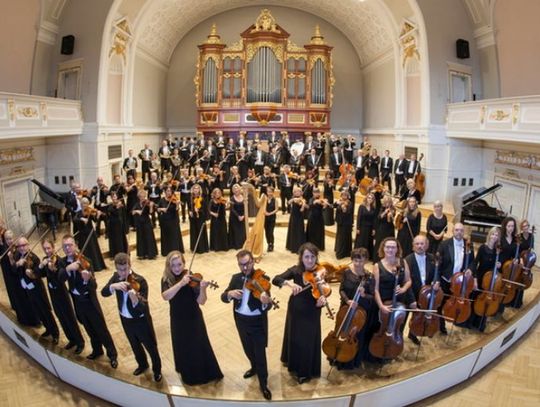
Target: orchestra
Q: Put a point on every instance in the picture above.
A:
(418, 276)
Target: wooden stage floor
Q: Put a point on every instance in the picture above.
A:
(226, 344)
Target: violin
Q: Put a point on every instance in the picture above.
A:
(341, 344)
(528, 257)
(427, 324)
(488, 302)
(258, 284)
(319, 287)
(197, 278)
(388, 342)
(364, 186)
(89, 211)
(458, 306)
(334, 274)
(83, 261)
(197, 204)
(511, 274)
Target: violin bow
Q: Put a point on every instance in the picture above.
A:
(27, 235)
(203, 226)
(36, 243)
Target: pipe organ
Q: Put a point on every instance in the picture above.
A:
(264, 82)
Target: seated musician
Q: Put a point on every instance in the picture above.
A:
(410, 191)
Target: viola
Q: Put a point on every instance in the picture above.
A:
(427, 324)
(197, 278)
(488, 302)
(458, 306)
(387, 343)
(341, 344)
(511, 274)
(365, 184)
(258, 284)
(318, 286)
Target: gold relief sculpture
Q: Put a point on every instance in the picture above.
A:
(317, 38)
(292, 47)
(11, 109)
(482, 114)
(28, 112)
(235, 47)
(16, 155)
(408, 42)
(499, 115)
(216, 57)
(266, 22)
(515, 113)
(121, 38)
(524, 160)
(313, 59)
(296, 118)
(213, 37)
(253, 47)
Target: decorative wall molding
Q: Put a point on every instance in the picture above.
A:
(47, 33)
(16, 155)
(485, 37)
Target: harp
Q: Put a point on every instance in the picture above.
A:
(255, 236)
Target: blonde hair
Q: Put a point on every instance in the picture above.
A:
(168, 276)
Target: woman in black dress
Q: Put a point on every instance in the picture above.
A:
(131, 193)
(117, 229)
(384, 225)
(484, 262)
(365, 224)
(296, 234)
(315, 223)
(436, 227)
(357, 278)
(328, 193)
(411, 191)
(146, 241)
(218, 224)
(84, 222)
(194, 357)
(526, 236)
(270, 218)
(169, 223)
(237, 228)
(373, 163)
(410, 227)
(344, 221)
(508, 253)
(301, 350)
(197, 221)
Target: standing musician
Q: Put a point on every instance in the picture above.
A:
(509, 234)
(436, 226)
(360, 163)
(185, 191)
(82, 286)
(130, 165)
(259, 160)
(335, 161)
(452, 255)
(99, 195)
(270, 218)
(250, 317)
(146, 159)
(267, 179)
(385, 170)
(62, 306)
(117, 187)
(412, 218)
(348, 147)
(146, 241)
(131, 291)
(169, 223)
(400, 166)
(197, 220)
(285, 188)
(235, 177)
(153, 189)
(312, 163)
(274, 160)
(344, 220)
(27, 269)
(164, 154)
(301, 350)
(422, 268)
(413, 167)
(373, 162)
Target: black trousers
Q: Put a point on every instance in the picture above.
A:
(385, 177)
(42, 309)
(145, 169)
(64, 312)
(286, 194)
(254, 337)
(399, 179)
(269, 225)
(94, 323)
(141, 335)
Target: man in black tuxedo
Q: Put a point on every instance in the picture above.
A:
(385, 170)
(454, 259)
(251, 319)
(134, 314)
(146, 159)
(400, 166)
(413, 167)
(422, 267)
(164, 153)
(335, 161)
(130, 165)
(360, 163)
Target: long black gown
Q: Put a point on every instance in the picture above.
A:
(484, 262)
(344, 222)
(197, 225)
(301, 349)
(218, 227)
(130, 204)
(146, 241)
(237, 229)
(404, 234)
(296, 235)
(117, 231)
(436, 226)
(328, 194)
(194, 357)
(315, 225)
(169, 225)
(365, 224)
(92, 250)
(508, 252)
(383, 228)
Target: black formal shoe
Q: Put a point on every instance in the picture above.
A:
(444, 331)
(303, 379)
(45, 334)
(139, 370)
(414, 339)
(94, 355)
(157, 377)
(79, 349)
(55, 340)
(249, 373)
(114, 363)
(270, 247)
(267, 394)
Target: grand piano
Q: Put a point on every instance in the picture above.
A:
(48, 210)
(476, 212)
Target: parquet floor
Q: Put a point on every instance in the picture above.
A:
(514, 378)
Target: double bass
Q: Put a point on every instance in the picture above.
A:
(458, 306)
(420, 180)
(488, 302)
(388, 342)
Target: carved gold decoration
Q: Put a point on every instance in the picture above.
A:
(252, 48)
(16, 155)
(499, 115)
(235, 47)
(408, 41)
(213, 37)
(264, 116)
(407, 27)
(266, 22)
(28, 112)
(11, 109)
(317, 38)
(317, 118)
(197, 80)
(331, 84)
(292, 47)
(231, 117)
(216, 57)
(313, 59)
(209, 118)
(523, 160)
(296, 118)
(121, 38)
(515, 113)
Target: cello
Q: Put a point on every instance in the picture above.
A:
(420, 180)
(388, 342)
(341, 344)
(528, 257)
(488, 302)
(511, 275)
(458, 306)
(426, 323)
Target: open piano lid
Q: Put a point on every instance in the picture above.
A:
(479, 194)
(49, 196)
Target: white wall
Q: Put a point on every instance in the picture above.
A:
(150, 88)
(379, 96)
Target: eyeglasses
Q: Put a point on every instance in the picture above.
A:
(247, 263)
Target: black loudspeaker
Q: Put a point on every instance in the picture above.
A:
(68, 43)
(462, 49)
